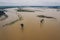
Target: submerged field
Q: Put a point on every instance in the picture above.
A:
(10, 28)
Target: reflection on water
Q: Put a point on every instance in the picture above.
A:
(32, 27)
(22, 29)
(20, 18)
(3, 15)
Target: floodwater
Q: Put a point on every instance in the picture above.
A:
(33, 28)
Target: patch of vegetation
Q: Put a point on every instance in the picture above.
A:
(43, 16)
(22, 10)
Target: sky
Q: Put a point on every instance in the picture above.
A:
(29, 2)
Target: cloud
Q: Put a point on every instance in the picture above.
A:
(30, 2)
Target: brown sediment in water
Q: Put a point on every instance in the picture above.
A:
(33, 29)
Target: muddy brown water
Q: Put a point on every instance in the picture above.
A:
(33, 29)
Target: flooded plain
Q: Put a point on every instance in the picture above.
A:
(33, 29)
